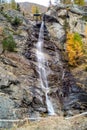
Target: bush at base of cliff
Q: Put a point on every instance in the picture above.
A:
(9, 43)
(74, 48)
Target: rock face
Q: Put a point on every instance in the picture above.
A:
(54, 72)
(73, 15)
(20, 88)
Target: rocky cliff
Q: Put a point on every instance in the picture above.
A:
(20, 91)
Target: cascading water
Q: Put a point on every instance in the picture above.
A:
(42, 71)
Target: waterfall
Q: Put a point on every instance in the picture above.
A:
(42, 71)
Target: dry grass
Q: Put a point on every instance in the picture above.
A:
(56, 123)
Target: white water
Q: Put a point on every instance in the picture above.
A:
(42, 71)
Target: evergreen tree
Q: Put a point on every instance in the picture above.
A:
(18, 7)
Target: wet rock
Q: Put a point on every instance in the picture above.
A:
(37, 30)
(51, 19)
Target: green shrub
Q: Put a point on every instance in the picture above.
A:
(9, 43)
(18, 7)
(17, 21)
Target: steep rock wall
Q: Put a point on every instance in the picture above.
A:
(19, 77)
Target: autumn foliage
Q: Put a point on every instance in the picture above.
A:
(74, 48)
(13, 4)
(79, 2)
(35, 10)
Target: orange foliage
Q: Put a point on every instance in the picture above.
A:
(74, 48)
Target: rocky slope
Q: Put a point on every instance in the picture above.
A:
(20, 92)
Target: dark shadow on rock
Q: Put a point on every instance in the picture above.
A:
(74, 98)
(49, 18)
(37, 30)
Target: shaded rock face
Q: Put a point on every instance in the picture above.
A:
(37, 30)
(74, 99)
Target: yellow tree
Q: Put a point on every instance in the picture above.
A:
(66, 1)
(79, 2)
(74, 48)
(13, 4)
(36, 12)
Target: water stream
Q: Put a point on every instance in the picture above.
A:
(42, 69)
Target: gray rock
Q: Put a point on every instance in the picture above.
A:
(56, 30)
(6, 113)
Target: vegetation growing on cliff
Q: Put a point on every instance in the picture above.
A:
(74, 48)
(9, 43)
(11, 5)
(79, 2)
(16, 21)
